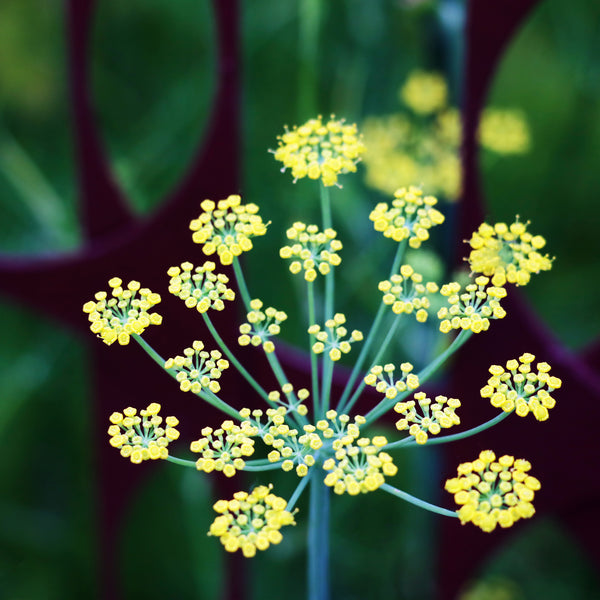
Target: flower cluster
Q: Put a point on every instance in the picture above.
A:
(115, 319)
(473, 308)
(313, 251)
(435, 417)
(520, 389)
(493, 492)
(331, 338)
(320, 150)
(293, 400)
(507, 253)
(382, 379)
(198, 368)
(406, 293)
(424, 92)
(222, 449)
(226, 228)
(421, 143)
(251, 521)
(200, 287)
(411, 216)
(261, 326)
(142, 437)
(504, 131)
(360, 467)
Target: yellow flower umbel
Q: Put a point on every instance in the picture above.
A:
(382, 379)
(320, 150)
(507, 253)
(435, 417)
(520, 389)
(261, 326)
(115, 319)
(493, 492)
(200, 287)
(313, 251)
(424, 92)
(197, 368)
(331, 339)
(359, 468)
(504, 131)
(251, 522)
(222, 449)
(226, 228)
(472, 309)
(142, 437)
(411, 216)
(405, 293)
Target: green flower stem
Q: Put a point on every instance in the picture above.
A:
(326, 383)
(318, 539)
(236, 363)
(424, 375)
(181, 461)
(314, 369)
(388, 338)
(329, 277)
(297, 492)
(420, 503)
(366, 347)
(207, 396)
(410, 441)
(241, 282)
(269, 467)
(309, 21)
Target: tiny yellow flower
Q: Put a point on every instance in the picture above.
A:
(224, 448)
(251, 521)
(331, 339)
(200, 287)
(521, 388)
(312, 251)
(142, 437)
(493, 492)
(319, 150)
(473, 308)
(507, 253)
(410, 217)
(435, 416)
(198, 368)
(226, 228)
(406, 293)
(261, 326)
(115, 319)
(382, 379)
(360, 467)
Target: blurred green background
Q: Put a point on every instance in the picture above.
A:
(153, 80)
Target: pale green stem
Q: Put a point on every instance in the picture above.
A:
(241, 282)
(366, 347)
(314, 368)
(424, 375)
(206, 395)
(388, 338)
(318, 539)
(326, 383)
(297, 492)
(236, 363)
(410, 441)
(329, 277)
(420, 503)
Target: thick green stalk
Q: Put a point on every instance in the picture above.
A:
(241, 282)
(314, 368)
(309, 21)
(420, 503)
(318, 539)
